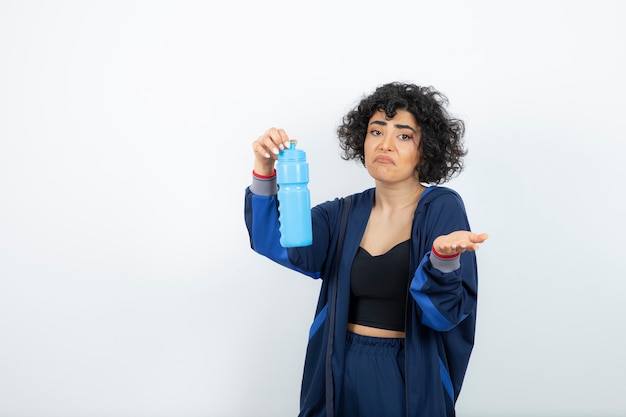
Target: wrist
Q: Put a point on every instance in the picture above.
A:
(264, 174)
(264, 168)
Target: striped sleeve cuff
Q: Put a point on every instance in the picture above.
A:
(264, 185)
(445, 263)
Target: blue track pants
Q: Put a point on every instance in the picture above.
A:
(374, 378)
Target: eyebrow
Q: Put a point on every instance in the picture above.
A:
(381, 123)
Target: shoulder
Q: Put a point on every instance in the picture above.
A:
(441, 199)
(442, 211)
(440, 195)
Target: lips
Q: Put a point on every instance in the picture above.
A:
(384, 160)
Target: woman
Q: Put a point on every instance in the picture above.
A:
(395, 320)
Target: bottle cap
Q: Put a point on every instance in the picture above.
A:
(292, 154)
(292, 166)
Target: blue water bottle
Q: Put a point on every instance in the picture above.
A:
(294, 200)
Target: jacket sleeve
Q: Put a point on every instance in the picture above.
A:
(262, 222)
(445, 290)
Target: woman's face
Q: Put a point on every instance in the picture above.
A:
(392, 147)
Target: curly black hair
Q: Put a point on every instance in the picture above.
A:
(441, 143)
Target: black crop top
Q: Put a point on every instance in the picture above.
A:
(378, 288)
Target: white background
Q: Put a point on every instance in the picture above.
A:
(127, 285)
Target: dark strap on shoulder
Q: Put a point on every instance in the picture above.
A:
(330, 391)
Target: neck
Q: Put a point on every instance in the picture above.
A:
(393, 198)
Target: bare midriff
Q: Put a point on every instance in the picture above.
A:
(374, 331)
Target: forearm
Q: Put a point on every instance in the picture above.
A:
(445, 297)
(261, 217)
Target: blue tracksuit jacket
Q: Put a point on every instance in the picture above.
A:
(441, 306)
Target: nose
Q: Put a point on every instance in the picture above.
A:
(386, 143)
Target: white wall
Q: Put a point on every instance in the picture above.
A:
(127, 286)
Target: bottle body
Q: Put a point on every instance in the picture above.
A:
(294, 200)
(295, 215)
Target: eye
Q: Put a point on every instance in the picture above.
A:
(405, 136)
(375, 132)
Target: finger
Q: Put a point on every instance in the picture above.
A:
(463, 246)
(260, 149)
(276, 140)
(284, 139)
(471, 246)
(269, 144)
(478, 238)
(446, 249)
(272, 141)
